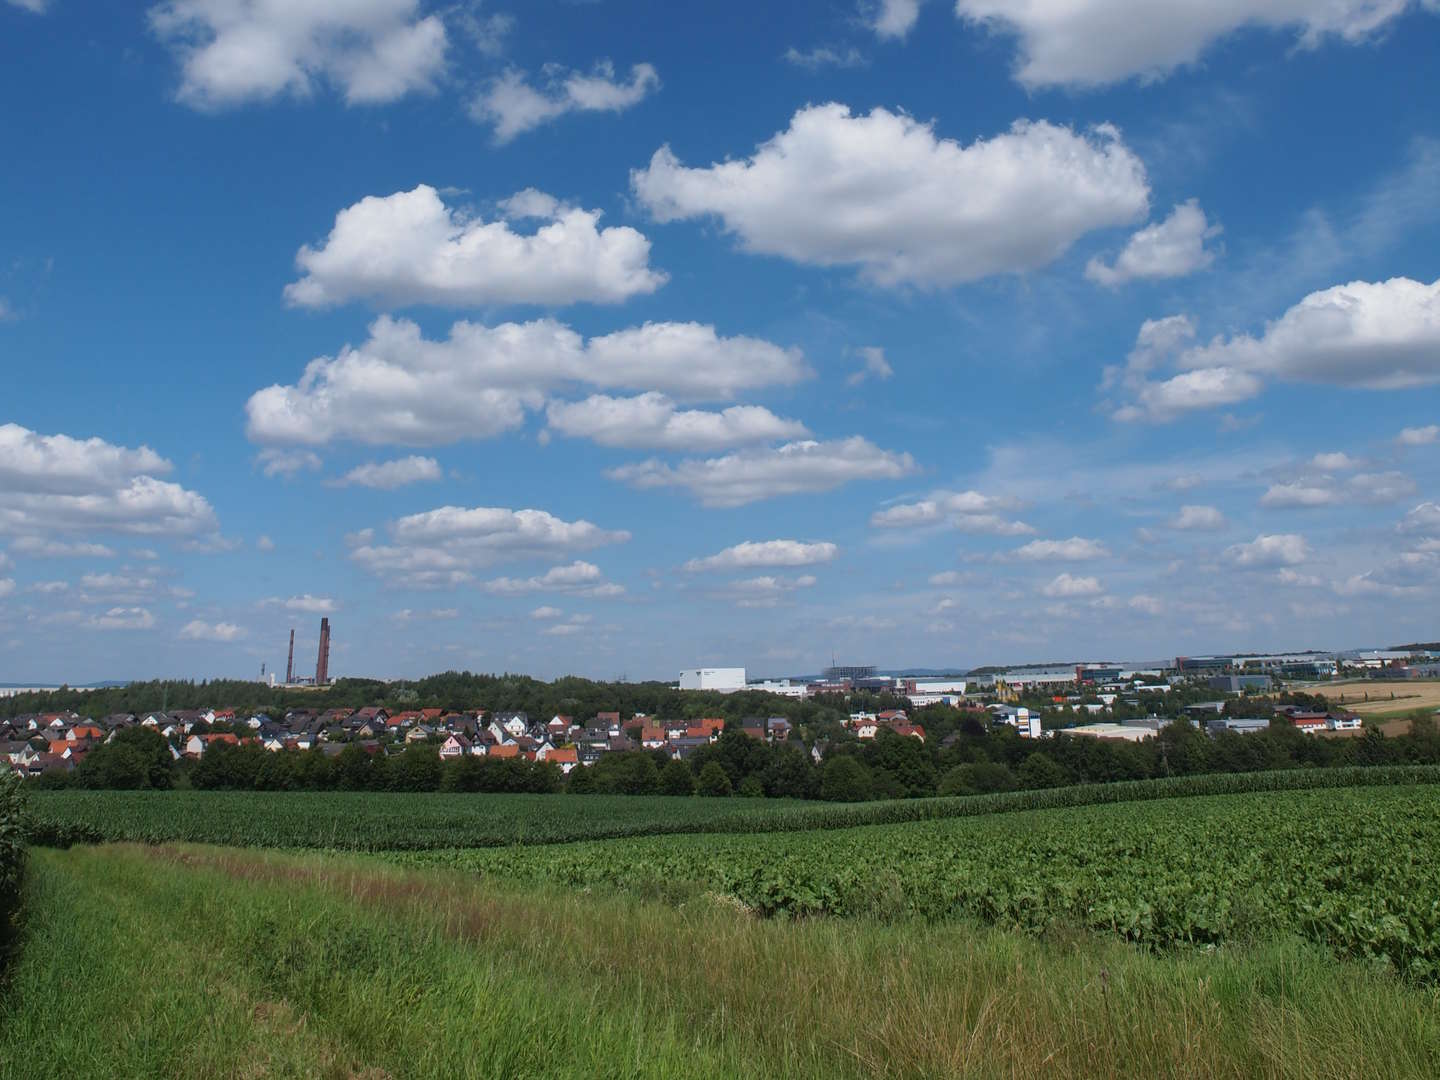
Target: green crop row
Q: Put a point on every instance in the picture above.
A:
(1353, 869)
(358, 821)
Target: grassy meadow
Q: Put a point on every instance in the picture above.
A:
(204, 962)
(1275, 929)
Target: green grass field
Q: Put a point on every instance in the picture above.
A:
(204, 962)
(1271, 933)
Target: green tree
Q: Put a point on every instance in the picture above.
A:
(713, 780)
(677, 779)
(977, 778)
(416, 769)
(1041, 771)
(121, 768)
(844, 779)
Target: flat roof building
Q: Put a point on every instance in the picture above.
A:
(726, 679)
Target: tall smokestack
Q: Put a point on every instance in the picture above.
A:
(290, 662)
(322, 661)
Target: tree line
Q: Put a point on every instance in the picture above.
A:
(977, 760)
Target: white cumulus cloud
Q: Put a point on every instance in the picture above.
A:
(55, 484)
(1197, 518)
(766, 553)
(1068, 585)
(199, 630)
(652, 421)
(122, 618)
(513, 105)
(1093, 42)
(966, 511)
(579, 578)
(401, 388)
(1076, 548)
(388, 475)
(410, 248)
(1419, 436)
(883, 193)
(444, 547)
(1171, 248)
(796, 468)
(1273, 549)
(1362, 488)
(237, 51)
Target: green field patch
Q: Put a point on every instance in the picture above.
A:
(369, 821)
(1351, 869)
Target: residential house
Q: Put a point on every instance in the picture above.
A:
(513, 724)
(1343, 721)
(196, 745)
(455, 746)
(1311, 723)
(566, 757)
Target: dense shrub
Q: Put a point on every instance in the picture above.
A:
(12, 861)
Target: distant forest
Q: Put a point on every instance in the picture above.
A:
(456, 691)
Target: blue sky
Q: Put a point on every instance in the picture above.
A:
(613, 338)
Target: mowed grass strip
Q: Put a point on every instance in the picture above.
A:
(205, 962)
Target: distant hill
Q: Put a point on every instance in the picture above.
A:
(108, 684)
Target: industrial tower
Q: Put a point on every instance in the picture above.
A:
(322, 661)
(290, 662)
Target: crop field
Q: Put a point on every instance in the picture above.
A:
(1371, 697)
(323, 965)
(1352, 870)
(364, 821)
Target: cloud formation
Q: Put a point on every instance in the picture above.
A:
(401, 388)
(883, 193)
(200, 630)
(410, 248)
(389, 475)
(579, 579)
(1094, 42)
(1267, 550)
(796, 468)
(445, 546)
(1067, 585)
(766, 553)
(1075, 549)
(966, 511)
(652, 421)
(1171, 248)
(512, 105)
(236, 51)
(54, 485)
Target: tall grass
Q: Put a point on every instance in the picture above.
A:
(208, 963)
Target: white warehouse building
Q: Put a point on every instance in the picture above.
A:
(724, 679)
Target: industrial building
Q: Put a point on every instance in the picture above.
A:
(726, 680)
(1238, 684)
